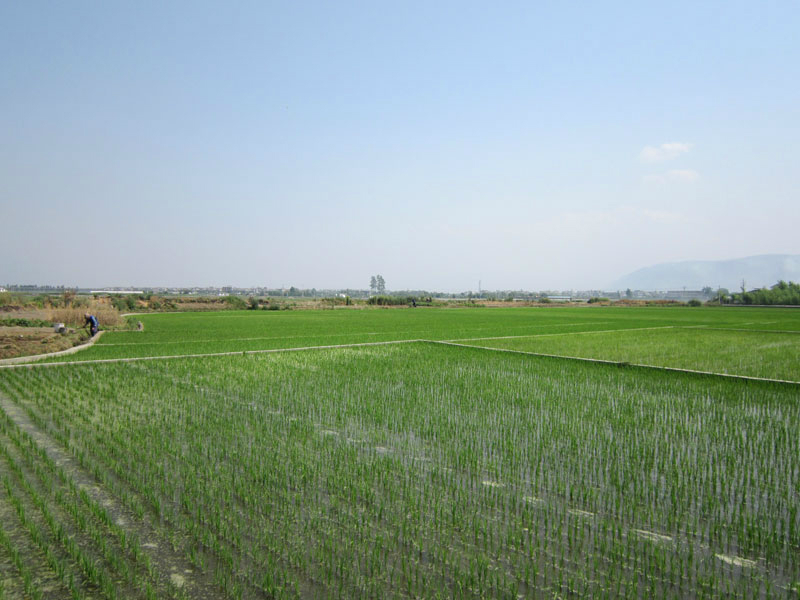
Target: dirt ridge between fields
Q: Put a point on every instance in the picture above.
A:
(616, 363)
(206, 355)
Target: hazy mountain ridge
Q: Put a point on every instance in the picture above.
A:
(756, 271)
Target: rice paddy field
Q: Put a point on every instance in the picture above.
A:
(277, 468)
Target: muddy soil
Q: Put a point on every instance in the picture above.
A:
(29, 341)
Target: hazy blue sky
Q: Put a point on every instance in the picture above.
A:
(528, 145)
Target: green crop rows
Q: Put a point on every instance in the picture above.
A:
(409, 470)
(419, 470)
(768, 354)
(55, 537)
(749, 341)
(193, 333)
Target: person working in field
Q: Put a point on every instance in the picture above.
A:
(91, 322)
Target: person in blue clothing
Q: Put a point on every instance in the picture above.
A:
(91, 322)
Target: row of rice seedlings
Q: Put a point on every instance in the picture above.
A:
(351, 499)
(19, 558)
(66, 509)
(231, 457)
(50, 536)
(132, 469)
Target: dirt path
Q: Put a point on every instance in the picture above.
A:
(171, 565)
(236, 353)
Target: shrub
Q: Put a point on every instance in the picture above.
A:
(390, 300)
(24, 323)
(126, 303)
(694, 302)
(235, 302)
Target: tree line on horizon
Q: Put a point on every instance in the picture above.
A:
(786, 293)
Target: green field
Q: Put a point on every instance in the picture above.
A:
(746, 341)
(413, 469)
(764, 353)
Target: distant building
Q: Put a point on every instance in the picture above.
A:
(686, 294)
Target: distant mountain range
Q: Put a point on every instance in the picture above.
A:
(756, 271)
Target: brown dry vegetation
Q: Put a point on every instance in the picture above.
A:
(107, 316)
(65, 309)
(28, 341)
(629, 302)
(518, 303)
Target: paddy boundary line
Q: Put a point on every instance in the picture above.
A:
(31, 365)
(617, 363)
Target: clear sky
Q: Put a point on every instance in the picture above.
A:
(533, 145)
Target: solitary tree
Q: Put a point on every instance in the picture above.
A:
(373, 284)
(381, 284)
